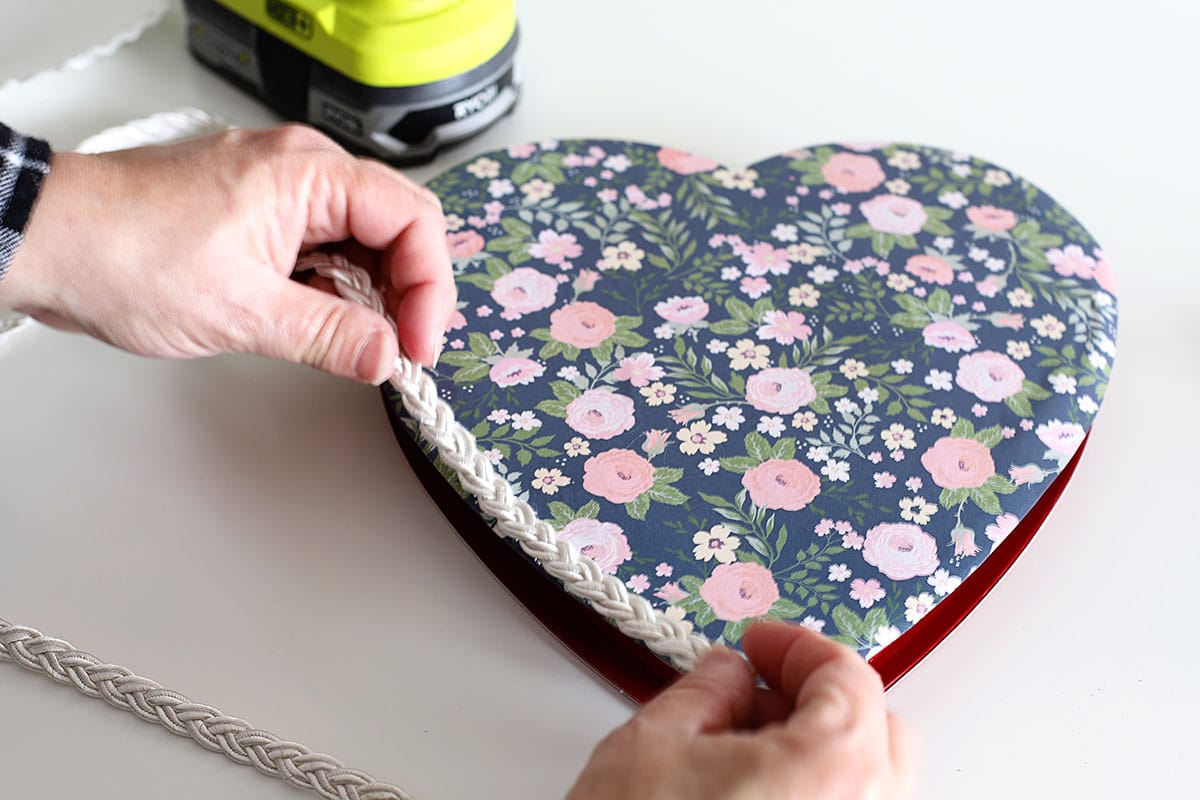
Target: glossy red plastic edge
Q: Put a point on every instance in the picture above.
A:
(914, 644)
(628, 664)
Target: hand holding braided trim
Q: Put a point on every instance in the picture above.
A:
(512, 516)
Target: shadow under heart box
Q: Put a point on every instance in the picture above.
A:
(842, 387)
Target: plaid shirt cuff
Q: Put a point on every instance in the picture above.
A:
(24, 163)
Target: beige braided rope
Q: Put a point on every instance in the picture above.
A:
(145, 699)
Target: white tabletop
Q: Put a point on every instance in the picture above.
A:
(250, 534)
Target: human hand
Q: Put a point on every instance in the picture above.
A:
(185, 250)
(820, 731)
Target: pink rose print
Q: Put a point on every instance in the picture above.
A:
(585, 280)
(964, 542)
(853, 173)
(991, 218)
(780, 391)
(930, 269)
(989, 286)
(900, 551)
(683, 162)
(889, 213)
(583, 325)
(863, 146)
(990, 376)
(1026, 474)
(684, 415)
(457, 321)
(638, 369)
(1071, 260)
(777, 483)
(515, 371)
(618, 476)
(764, 257)
(1008, 319)
(556, 248)
(959, 463)
(670, 592)
(784, 327)
(1001, 528)
(1104, 274)
(464, 244)
(866, 592)
(523, 291)
(683, 310)
(600, 414)
(740, 590)
(521, 151)
(656, 442)
(602, 542)
(754, 288)
(1061, 437)
(948, 336)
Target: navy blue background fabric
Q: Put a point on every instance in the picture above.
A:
(821, 388)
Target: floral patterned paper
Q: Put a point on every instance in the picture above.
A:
(823, 388)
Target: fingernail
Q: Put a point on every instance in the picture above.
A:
(437, 353)
(723, 658)
(370, 356)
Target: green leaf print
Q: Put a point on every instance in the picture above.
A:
(555, 408)
(990, 437)
(704, 617)
(786, 609)
(735, 630)
(953, 498)
(986, 500)
(729, 327)
(875, 619)
(757, 446)
(739, 464)
(471, 374)
(850, 624)
(514, 227)
(638, 506)
(667, 494)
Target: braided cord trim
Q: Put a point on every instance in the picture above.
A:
(207, 726)
(513, 517)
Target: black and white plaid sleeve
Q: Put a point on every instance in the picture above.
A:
(24, 162)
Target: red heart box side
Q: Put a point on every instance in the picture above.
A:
(628, 665)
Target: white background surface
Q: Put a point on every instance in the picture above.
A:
(82, 30)
(249, 533)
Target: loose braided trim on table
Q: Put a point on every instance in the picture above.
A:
(236, 738)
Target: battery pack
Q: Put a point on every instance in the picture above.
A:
(275, 56)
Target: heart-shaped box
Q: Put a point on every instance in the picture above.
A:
(842, 386)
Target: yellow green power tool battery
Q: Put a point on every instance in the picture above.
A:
(398, 79)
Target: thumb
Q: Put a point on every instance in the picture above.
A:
(307, 326)
(716, 696)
